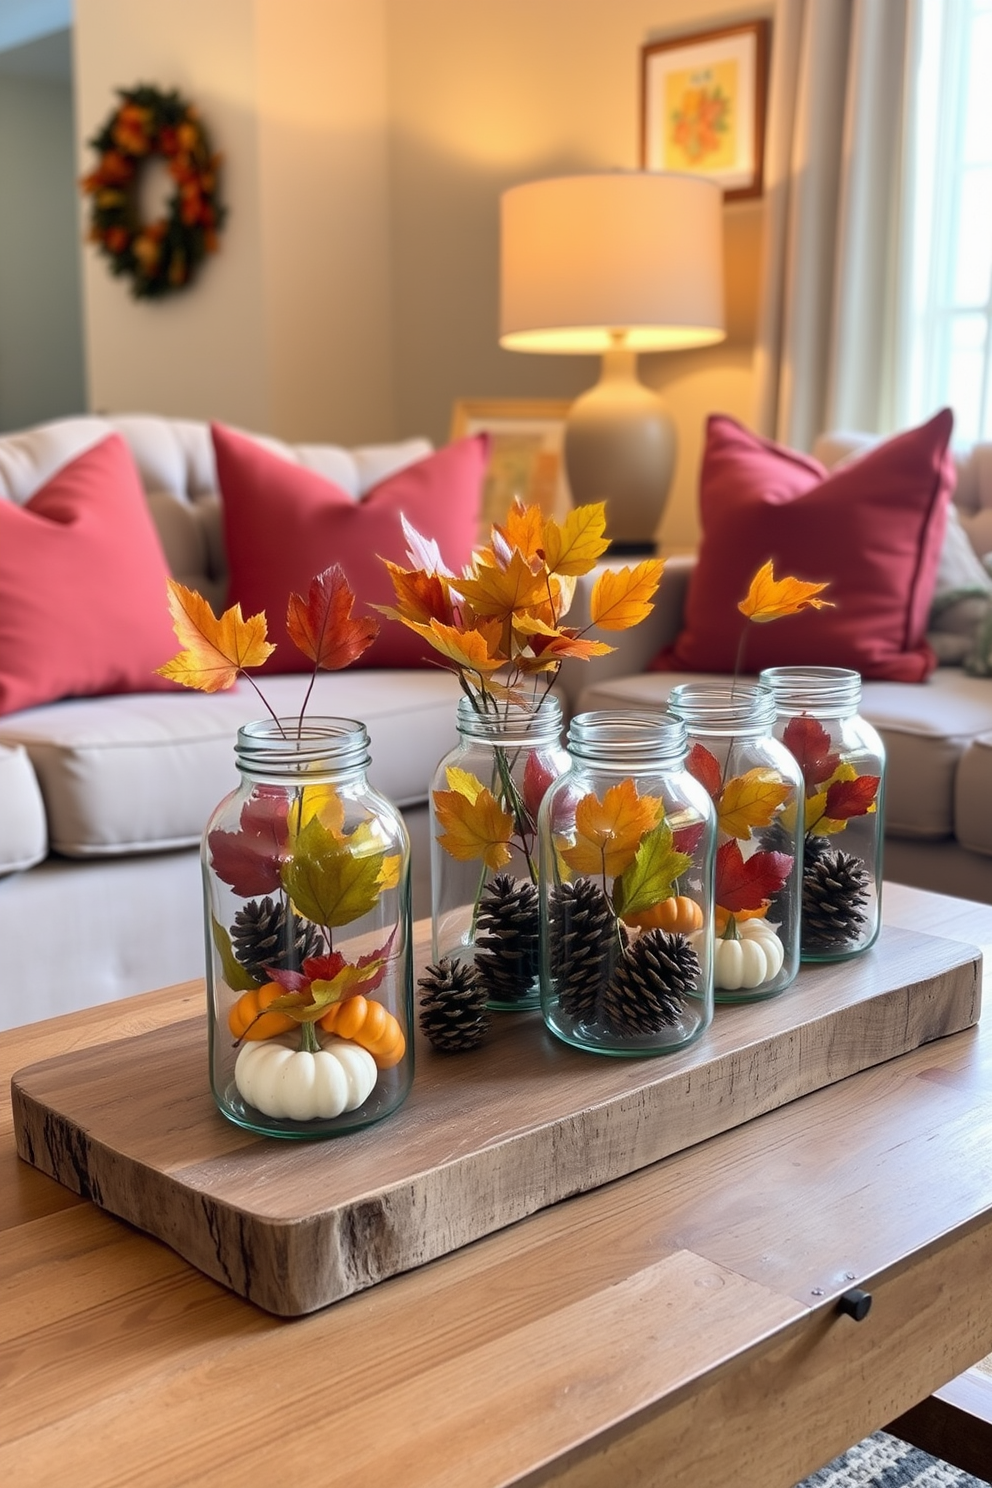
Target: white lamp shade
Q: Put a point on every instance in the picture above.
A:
(639, 252)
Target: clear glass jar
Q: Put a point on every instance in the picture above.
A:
(842, 760)
(757, 792)
(627, 842)
(484, 802)
(309, 969)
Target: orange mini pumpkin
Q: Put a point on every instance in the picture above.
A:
(678, 914)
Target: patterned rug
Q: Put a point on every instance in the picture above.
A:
(882, 1461)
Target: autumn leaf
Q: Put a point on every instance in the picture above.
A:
(704, 767)
(421, 597)
(524, 530)
(328, 882)
(609, 832)
(502, 592)
(236, 976)
(423, 552)
(550, 650)
(745, 883)
(538, 778)
(750, 800)
(476, 650)
(572, 547)
(649, 878)
(847, 798)
(809, 744)
(773, 599)
(688, 837)
(622, 597)
(327, 980)
(249, 859)
(464, 782)
(323, 627)
(214, 651)
(478, 828)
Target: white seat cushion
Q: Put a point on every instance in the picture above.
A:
(23, 834)
(140, 773)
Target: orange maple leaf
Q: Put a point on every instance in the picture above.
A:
(420, 596)
(214, 650)
(524, 530)
(475, 826)
(608, 832)
(773, 599)
(573, 546)
(322, 625)
(622, 597)
(475, 650)
(503, 592)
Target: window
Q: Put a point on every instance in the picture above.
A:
(947, 256)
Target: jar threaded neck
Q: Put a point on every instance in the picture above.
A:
(512, 723)
(628, 740)
(827, 692)
(742, 708)
(286, 748)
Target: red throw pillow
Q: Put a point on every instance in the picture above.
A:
(284, 524)
(871, 529)
(83, 606)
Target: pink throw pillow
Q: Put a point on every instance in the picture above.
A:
(83, 606)
(284, 524)
(871, 529)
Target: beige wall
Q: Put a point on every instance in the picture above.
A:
(489, 93)
(287, 330)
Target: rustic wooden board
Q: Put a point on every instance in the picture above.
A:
(483, 1140)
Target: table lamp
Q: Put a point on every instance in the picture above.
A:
(617, 263)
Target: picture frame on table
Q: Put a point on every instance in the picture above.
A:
(703, 103)
(526, 457)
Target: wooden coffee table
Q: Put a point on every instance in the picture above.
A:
(678, 1325)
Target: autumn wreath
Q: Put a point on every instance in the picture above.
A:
(159, 257)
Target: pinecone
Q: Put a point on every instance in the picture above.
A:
(784, 907)
(506, 941)
(650, 985)
(453, 1006)
(582, 935)
(835, 891)
(268, 933)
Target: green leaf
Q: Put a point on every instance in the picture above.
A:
(237, 977)
(327, 880)
(649, 878)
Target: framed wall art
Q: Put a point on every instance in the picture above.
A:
(525, 455)
(703, 100)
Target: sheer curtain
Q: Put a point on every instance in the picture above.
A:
(830, 330)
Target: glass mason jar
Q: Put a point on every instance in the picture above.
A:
(757, 792)
(627, 842)
(842, 760)
(484, 801)
(309, 968)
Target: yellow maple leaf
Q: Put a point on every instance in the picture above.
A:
(477, 650)
(502, 592)
(608, 832)
(772, 599)
(464, 782)
(474, 829)
(214, 650)
(750, 800)
(572, 547)
(622, 597)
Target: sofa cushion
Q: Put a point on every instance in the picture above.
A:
(82, 585)
(973, 795)
(928, 731)
(142, 773)
(284, 523)
(23, 833)
(872, 530)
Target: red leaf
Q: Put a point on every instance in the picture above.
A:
(687, 839)
(324, 968)
(809, 743)
(537, 778)
(745, 883)
(290, 981)
(705, 767)
(248, 860)
(322, 625)
(847, 798)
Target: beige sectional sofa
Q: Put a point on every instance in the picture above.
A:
(103, 800)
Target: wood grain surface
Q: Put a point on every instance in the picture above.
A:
(679, 1326)
(483, 1140)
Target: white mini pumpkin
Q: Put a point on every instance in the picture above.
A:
(746, 960)
(292, 1083)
